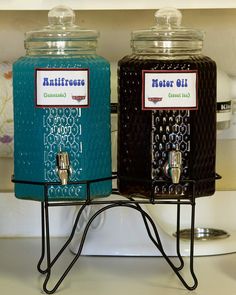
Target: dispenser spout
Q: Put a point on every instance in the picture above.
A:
(173, 166)
(63, 167)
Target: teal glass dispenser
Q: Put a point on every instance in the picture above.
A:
(61, 91)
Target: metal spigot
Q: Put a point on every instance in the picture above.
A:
(173, 167)
(63, 167)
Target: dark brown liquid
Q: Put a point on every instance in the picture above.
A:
(146, 137)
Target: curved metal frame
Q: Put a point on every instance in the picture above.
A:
(128, 203)
(132, 203)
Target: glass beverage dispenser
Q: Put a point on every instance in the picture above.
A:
(61, 112)
(167, 112)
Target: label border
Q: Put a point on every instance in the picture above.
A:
(168, 108)
(59, 106)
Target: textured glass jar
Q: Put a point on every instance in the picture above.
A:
(62, 112)
(167, 112)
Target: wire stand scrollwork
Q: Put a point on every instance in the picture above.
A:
(128, 202)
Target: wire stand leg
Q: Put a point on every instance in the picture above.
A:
(177, 269)
(157, 242)
(50, 263)
(41, 259)
(71, 235)
(48, 249)
(178, 238)
(151, 231)
(192, 246)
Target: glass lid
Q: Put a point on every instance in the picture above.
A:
(61, 32)
(167, 36)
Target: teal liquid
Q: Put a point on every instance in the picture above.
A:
(40, 133)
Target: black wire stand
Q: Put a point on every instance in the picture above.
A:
(129, 202)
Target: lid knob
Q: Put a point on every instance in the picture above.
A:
(168, 17)
(61, 16)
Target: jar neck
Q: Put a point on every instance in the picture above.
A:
(60, 48)
(59, 53)
(166, 48)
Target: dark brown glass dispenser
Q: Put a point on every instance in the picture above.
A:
(167, 113)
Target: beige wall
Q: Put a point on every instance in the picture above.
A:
(6, 171)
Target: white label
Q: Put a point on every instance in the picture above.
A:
(62, 87)
(169, 90)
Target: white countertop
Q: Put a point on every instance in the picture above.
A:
(111, 275)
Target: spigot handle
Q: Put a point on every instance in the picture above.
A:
(175, 163)
(63, 167)
(173, 166)
(175, 159)
(63, 161)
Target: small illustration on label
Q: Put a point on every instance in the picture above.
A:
(169, 90)
(61, 87)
